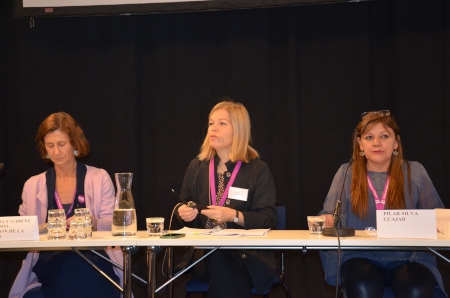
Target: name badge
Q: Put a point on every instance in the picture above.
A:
(237, 193)
(19, 228)
(407, 223)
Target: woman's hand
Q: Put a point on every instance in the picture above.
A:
(186, 213)
(328, 220)
(69, 220)
(219, 213)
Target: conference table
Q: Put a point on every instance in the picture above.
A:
(300, 240)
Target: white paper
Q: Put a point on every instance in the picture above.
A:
(223, 232)
(241, 232)
(19, 228)
(192, 231)
(407, 223)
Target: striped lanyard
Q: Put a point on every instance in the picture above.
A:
(380, 203)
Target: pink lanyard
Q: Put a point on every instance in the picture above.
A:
(60, 206)
(212, 183)
(379, 202)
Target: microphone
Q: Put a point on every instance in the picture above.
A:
(190, 204)
(178, 196)
(337, 213)
(337, 230)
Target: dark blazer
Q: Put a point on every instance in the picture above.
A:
(258, 210)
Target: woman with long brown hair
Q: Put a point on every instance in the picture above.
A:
(378, 178)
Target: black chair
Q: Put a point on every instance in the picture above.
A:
(195, 286)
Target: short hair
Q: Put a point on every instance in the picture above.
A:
(66, 123)
(240, 120)
(359, 187)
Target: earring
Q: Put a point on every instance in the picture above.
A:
(76, 153)
(47, 156)
(395, 152)
(361, 153)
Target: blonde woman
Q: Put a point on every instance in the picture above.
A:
(237, 187)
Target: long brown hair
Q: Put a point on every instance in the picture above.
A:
(240, 120)
(359, 189)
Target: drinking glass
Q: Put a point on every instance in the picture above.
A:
(315, 224)
(56, 221)
(155, 226)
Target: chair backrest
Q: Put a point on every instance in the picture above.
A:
(281, 214)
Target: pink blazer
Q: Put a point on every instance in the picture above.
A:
(100, 195)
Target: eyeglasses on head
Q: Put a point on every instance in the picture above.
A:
(379, 113)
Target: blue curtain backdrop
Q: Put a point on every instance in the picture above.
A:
(142, 86)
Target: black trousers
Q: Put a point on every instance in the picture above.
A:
(65, 274)
(229, 277)
(363, 279)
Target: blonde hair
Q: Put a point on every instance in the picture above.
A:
(240, 121)
(359, 188)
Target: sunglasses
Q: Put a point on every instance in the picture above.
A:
(382, 113)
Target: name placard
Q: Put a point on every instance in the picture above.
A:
(19, 228)
(407, 223)
(443, 220)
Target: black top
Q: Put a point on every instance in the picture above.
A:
(259, 209)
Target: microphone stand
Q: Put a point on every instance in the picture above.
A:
(337, 230)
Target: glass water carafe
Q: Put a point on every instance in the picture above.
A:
(124, 221)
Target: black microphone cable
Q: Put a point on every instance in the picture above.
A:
(338, 222)
(338, 269)
(168, 229)
(337, 230)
